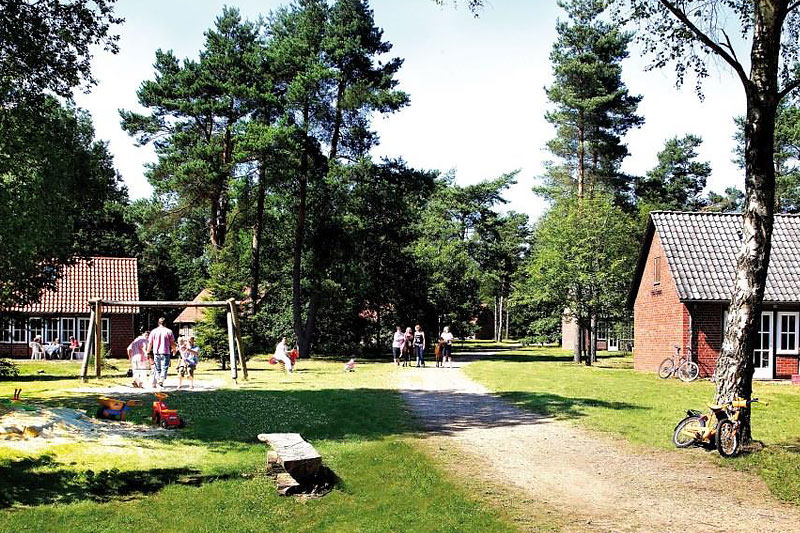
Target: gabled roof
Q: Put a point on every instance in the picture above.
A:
(193, 315)
(701, 249)
(107, 278)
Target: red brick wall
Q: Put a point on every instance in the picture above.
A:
(785, 366)
(659, 318)
(707, 342)
(121, 334)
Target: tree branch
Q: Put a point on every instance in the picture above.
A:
(789, 87)
(706, 40)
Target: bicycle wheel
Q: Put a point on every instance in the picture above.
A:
(688, 371)
(666, 368)
(727, 439)
(687, 431)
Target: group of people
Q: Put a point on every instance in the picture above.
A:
(150, 355)
(53, 349)
(408, 342)
(288, 359)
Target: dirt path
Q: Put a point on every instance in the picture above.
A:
(598, 484)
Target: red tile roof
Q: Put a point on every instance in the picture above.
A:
(107, 278)
(193, 315)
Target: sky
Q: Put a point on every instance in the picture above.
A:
(476, 87)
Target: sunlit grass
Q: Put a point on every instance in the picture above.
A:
(208, 476)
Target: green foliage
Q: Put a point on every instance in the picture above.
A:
(8, 369)
(59, 197)
(582, 258)
(45, 46)
(731, 202)
(677, 182)
(786, 154)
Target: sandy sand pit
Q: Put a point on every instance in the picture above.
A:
(34, 428)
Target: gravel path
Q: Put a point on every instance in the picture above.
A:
(597, 483)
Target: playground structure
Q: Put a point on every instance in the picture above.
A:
(96, 320)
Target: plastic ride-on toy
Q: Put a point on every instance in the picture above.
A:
(114, 409)
(164, 416)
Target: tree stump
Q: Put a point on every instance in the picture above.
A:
(294, 454)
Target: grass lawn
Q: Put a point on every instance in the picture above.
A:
(644, 409)
(206, 476)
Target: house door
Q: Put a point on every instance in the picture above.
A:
(762, 354)
(613, 343)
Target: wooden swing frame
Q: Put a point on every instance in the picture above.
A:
(96, 320)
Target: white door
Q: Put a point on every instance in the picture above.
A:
(613, 343)
(762, 354)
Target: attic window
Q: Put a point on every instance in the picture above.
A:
(656, 270)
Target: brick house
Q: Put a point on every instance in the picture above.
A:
(190, 316)
(65, 311)
(682, 285)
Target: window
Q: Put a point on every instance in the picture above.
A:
(35, 328)
(18, 333)
(51, 329)
(106, 329)
(5, 330)
(656, 270)
(788, 332)
(83, 329)
(602, 331)
(67, 329)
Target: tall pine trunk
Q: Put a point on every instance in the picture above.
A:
(258, 229)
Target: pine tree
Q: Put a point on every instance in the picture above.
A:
(592, 107)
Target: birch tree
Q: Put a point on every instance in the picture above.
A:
(691, 35)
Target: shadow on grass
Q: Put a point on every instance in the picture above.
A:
(40, 481)
(447, 412)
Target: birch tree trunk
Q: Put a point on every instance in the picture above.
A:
(734, 369)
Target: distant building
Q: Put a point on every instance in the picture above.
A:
(610, 335)
(682, 286)
(64, 312)
(190, 316)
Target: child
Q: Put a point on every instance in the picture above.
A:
(188, 362)
(350, 366)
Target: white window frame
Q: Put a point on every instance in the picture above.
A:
(19, 325)
(82, 336)
(40, 331)
(602, 331)
(66, 332)
(51, 324)
(779, 349)
(106, 330)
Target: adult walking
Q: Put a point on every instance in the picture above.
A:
(397, 345)
(447, 346)
(161, 343)
(137, 355)
(419, 345)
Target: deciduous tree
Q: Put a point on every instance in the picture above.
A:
(689, 34)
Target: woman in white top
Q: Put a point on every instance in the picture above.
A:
(280, 355)
(447, 348)
(397, 344)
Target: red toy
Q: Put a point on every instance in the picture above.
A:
(164, 416)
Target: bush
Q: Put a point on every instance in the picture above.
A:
(8, 369)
